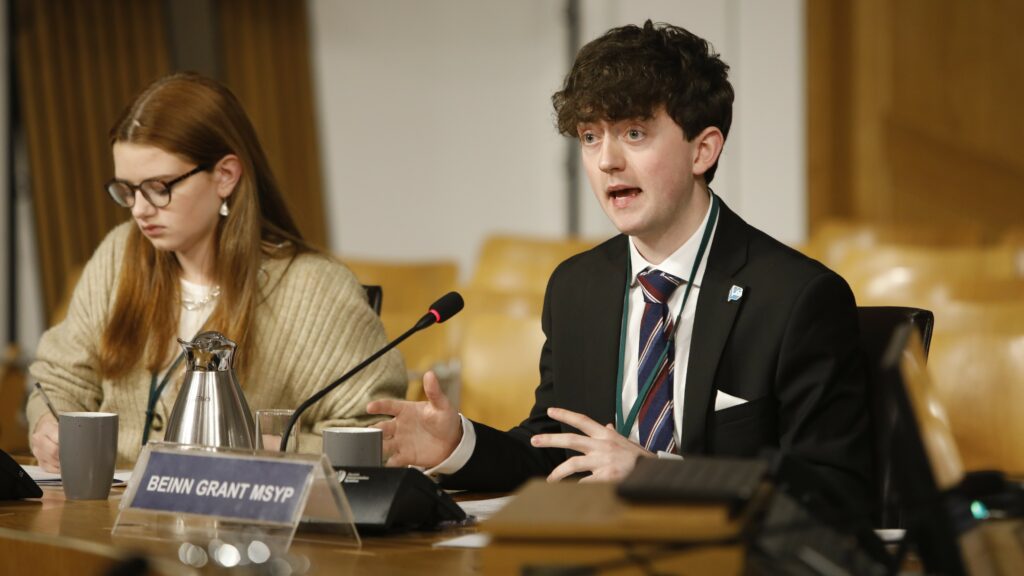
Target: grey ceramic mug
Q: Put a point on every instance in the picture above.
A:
(88, 451)
(347, 446)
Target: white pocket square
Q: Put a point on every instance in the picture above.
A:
(723, 401)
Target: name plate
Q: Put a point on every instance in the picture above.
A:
(224, 485)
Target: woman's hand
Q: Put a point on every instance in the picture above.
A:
(45, 444)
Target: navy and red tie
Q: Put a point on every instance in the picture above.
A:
(657, 356)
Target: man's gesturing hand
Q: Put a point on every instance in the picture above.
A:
(419, 433)
(604, 452)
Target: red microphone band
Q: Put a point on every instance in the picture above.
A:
(437, 315)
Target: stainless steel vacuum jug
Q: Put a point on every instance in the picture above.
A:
(210, 409)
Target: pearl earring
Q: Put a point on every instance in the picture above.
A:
(224, 211)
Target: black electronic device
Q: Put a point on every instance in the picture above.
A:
(15, 483)
(794, 538)
(924, 458)
(695, 479)
(396, 499)
(1001, 497)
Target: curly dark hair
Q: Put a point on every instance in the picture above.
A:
(631, 71)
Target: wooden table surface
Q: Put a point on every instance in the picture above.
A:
(52, 535)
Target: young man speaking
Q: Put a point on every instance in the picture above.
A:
(689, 333)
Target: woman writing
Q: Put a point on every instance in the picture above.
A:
(210, 246)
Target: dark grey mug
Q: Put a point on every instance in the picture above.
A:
(347, 446)
(88, 451)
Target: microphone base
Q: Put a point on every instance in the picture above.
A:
(388, 500)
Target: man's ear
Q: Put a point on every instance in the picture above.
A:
(707, 147)
(226, 173)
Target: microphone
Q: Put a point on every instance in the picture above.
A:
(444, 308)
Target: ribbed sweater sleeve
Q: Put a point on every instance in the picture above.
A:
(68, 353)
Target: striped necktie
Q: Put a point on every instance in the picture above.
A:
(656, 336)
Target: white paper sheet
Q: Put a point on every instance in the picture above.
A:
(484, 509)
(44, 478)
(478, 540)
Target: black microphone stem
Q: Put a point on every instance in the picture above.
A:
(423, 323)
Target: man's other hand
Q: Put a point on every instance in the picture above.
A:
(605, 454)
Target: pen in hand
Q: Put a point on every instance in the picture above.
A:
(46, 399)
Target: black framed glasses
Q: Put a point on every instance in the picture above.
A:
(157, 192)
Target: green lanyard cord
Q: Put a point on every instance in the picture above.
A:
(155, 391)
(154, 394)
(625, 426)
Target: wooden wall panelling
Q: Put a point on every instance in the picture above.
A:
(34, 64)
(871, 74)
(265, 47)
(956, 128)
(934, 128)
(78, 64)
(828, 104)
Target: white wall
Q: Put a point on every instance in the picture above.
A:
(435, 123)
(770, 121)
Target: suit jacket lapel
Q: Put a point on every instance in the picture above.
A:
(603, 308)
(711, 326)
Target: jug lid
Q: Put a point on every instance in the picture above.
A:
(209, 351)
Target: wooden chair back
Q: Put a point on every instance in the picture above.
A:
(499, 355)
(408, 289)
(522, 264)
(832, 240)
(977, 360)
(891, 275)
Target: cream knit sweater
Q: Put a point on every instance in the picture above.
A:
(312, 327)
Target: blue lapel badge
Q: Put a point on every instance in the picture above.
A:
(735, 293)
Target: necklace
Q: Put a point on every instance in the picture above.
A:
(192, 304)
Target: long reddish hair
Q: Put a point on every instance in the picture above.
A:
(199, 120)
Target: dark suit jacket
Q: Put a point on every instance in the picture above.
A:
(789, 346)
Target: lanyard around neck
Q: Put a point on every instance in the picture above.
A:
(154, 395)
(624, 426)
(156, 390)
